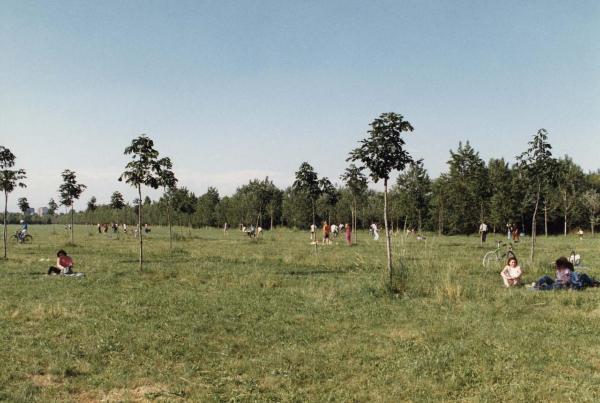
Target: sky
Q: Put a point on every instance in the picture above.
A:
(236, 90)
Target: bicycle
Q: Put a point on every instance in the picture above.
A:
(19, 237)
(499, 254)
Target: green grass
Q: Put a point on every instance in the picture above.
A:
(225, 318)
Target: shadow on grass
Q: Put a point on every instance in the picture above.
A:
(314, 272)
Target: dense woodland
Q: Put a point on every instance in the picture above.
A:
(471, 190)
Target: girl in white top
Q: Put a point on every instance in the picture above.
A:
(511, 274)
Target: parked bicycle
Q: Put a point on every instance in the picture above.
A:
(499, 255)
(21, 237)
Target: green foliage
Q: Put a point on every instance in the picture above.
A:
(91, 205)
(117, 201)
(383, 151)
(413, 189)
(9, 180)
(70, 190)
(467, 192)
(52, 207)
(23, 205)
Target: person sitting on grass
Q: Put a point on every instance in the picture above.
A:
(511, 274)
(64, 264)
(566, 278)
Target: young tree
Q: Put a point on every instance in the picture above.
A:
(91, 205)
(70, 191)
(570, 180)
(307, 183)
(185, 202)
(467, 196)
(207, 207)
(9, 180)
(501, 202)
(414, 187)
(168, 181)
(142, 170)
(117, 202)
(536, 164)
(356, 182)
(591, 201)
(329, 197)
(382, 152)
(23, 205)
(52, 207)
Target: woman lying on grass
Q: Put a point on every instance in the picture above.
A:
(64, 264)
(566, 277)
(511, 274)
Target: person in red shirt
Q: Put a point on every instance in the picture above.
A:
(64, 264)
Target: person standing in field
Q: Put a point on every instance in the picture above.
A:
(511, 274)
(375, 232)
(348, 234)
(326, 233)
(483, 230)
(516, 234)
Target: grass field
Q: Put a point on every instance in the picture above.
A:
(226, 318)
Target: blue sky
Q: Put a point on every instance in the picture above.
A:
(233, 90)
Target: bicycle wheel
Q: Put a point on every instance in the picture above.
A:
(14, 238)
(27, 239)
(490, 259)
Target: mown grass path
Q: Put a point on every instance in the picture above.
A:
(226, 318)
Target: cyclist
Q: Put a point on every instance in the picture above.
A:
(23, 230)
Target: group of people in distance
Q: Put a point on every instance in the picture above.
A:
(330, 231)
(103, 228)
(565, 278)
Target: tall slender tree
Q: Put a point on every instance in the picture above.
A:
(142, 170)
(591, 201)
(570, 181)
(117, 202)
(69, 191)
(356, 182)
(91, 205)
(383, 152)
(536, 164)
(52, 207)
(23, 204)
(414, 187)
(307, 183)
(10, 179)
(168, 181)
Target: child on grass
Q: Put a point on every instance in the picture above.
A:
(511, 274)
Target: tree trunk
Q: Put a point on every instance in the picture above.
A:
(533, 229)
(72, 224)
(565, 228)
(545, 220)
(5, 223)
(170, 227)
(387, 234)
(140, 232)
(419, 218)
(592, 225)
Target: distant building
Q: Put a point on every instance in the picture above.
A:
(30, 211)
(42, 211)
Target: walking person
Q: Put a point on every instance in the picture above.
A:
(483, 230)
(348, 229)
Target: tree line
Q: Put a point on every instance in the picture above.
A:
(469, 192)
